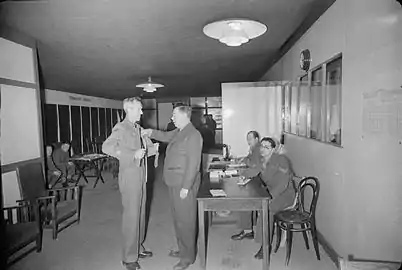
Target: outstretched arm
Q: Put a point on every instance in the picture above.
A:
(163, 136)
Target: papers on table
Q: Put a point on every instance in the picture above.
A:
(218, 193)
(231, 172)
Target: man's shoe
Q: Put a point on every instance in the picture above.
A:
(259, 255)
(242, 235)
(181, 265)
(145, 254)
(174, 254)
(132, 265)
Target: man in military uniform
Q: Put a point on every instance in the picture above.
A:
(182, 175)
(126, 144)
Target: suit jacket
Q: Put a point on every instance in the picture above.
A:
(183, 155)
(253, 161)
(122, 144)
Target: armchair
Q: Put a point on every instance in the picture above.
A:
(23, 227)
(56, 205)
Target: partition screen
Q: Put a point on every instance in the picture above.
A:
(76, 129)
(86, 128)
(108, 121)
(102, 123)
(64, 122)
(94, 122)
(51, 123)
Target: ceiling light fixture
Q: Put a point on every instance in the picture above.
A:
(150, 86)
(234, 32)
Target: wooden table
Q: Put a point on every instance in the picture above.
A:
(94, 161)
(251, 197)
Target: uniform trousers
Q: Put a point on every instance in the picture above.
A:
(132, 186)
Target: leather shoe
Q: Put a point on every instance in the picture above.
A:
(132, 265)
(242, 235)
(181, 265)
(174, 253)
(260, 254)
(145, 254)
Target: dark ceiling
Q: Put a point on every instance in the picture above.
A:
(105, 47)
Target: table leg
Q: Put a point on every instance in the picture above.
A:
(266, 236)
(98, 171)
(201, 235)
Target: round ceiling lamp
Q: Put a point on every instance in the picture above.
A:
(150, 86)
(234, 32)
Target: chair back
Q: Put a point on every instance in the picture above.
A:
(305, 183)
(90, 147)
(31, 180)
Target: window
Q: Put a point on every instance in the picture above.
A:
(317, 114)
(312, 107)
(304, 105)
(334, 87)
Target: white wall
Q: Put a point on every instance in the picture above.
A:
(360, 205)
(246, 107)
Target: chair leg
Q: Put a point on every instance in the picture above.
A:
(315, 240)
(274, 225)
(39, 242)
(55, 228)
(289, 236)
(304, 226)
(278, 236)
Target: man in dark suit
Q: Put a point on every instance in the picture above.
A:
(182, 176)
(126, 144)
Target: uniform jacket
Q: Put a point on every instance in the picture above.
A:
(122, 144)
(183, 155)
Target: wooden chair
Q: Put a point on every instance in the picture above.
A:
(23, 227)
(299, 219)
(56, 205)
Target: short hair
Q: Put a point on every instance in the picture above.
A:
(131, 100)
(270, 140)
(183, 108)
(255, 134)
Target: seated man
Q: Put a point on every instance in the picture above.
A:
(61, 158)
(53, 173)
(253, 161)
(277, 175)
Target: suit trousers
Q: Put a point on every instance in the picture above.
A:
(184, 213)
(133, 196)
(245, 221)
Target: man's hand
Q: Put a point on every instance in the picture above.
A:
(140, 153)
(156, 145)
(183, 193)
(146, 132)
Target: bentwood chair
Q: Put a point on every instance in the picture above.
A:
(299, 219)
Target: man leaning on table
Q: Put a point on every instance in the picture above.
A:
(126, 144)
(182, 175)
(253, 161)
